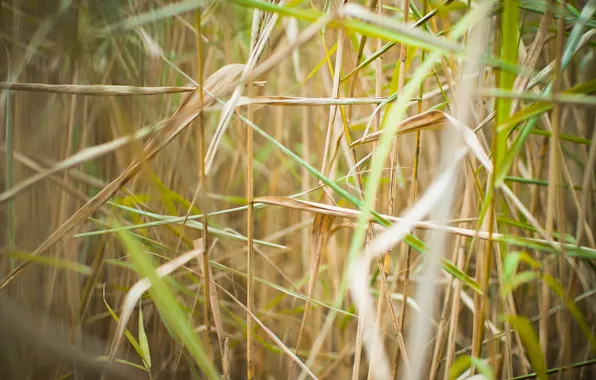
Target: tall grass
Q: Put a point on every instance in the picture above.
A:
(297, 189)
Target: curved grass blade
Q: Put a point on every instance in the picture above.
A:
(52, 261)
(559, 290)
(530, 340)
(166, 303)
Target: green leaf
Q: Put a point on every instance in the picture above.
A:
(143, 341)
(461, 364)
(509, 49)
(511, 261)
(556, 286)
(121, 361)
(543, 246)
(464, 362)
(529, 339)
(153, 15)
(538, 182)
(516, 281)
(165, 220)
(169, 310)
(538, 108)
(52, 261)
(127, 333)
(483, 368)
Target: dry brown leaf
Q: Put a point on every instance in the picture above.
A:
(422, 121)
(321, 231)
(214, 304)
(313, 207)
(94, 90)
(82, 156)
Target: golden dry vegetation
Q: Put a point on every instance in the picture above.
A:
(297, 189)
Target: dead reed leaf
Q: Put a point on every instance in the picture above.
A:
(95, 90)
(303, 101)
(321, 231)
(78, 158)
(422, 121)
(214, 305)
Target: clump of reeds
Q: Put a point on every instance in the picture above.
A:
(297, 189)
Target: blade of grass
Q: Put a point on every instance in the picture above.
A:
(165, 300)
(530, 341)
(51, 261)
(153, 15)
(94, 90)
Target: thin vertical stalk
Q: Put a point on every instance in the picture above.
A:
(553, 158)
(10, 207)
(203, 181)
(443, 321)
(10, 210)
(250, 236)
(305, 175)
(200, 192)
(336, 80)
(484, 261)
(483, 274)
(67, 245)
(459, 262)
(326, 164)
(258, 22)
(357, 351)
(507, 41)
(363, 38)
(384, 264)
(403, 55)
(509, 48)
(554, 199)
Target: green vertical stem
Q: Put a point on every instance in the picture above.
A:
(554, 200)
(509, 48)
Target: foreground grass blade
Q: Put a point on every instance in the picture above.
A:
(530, 340)
(168, 307)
